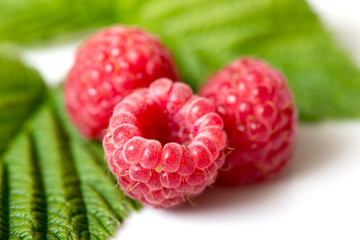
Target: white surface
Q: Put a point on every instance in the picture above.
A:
(318, 197)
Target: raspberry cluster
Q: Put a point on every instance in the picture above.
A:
(108, 66)
(164, 144)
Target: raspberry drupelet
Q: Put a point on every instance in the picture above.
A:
(164, 144)
(108, 66)
(259, 116)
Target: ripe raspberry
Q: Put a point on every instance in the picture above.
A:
(164, 144)
(108, 66)
(259, 117)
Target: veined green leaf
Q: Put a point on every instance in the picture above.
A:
(21, 91)
(53, 183)
(52, 186)
(65, 204)
(26, 205)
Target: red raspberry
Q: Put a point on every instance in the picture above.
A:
(164, 144)
(108, 66)
(259, 116)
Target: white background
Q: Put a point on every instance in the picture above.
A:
(318, 197)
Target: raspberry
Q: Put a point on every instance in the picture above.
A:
(259, 116)
(108, 66)
(164, 144)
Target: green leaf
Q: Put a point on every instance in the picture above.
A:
(26, 205)
(54, 187)
(21, 91)
(205, 35)
(29, 21)
(53, 183)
